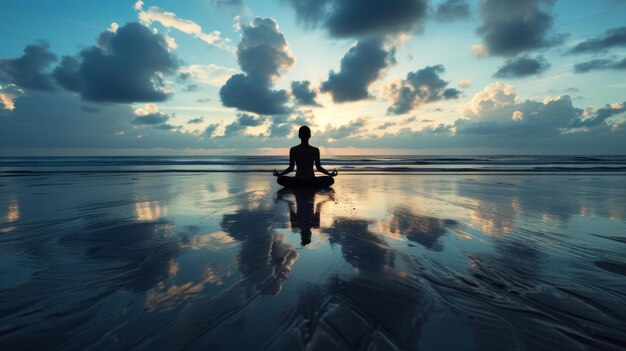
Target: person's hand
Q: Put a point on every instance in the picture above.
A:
(333, 173)
(276, 173)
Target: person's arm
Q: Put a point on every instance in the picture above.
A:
(290, 168)
(318, 165)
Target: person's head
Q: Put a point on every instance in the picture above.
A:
(304, 133)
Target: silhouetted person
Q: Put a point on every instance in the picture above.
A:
(303, 157)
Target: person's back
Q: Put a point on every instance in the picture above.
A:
(303, 157)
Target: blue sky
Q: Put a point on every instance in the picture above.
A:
(240, 76)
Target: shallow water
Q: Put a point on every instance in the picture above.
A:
(227, 261)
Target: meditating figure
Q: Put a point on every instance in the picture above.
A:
(303, 156)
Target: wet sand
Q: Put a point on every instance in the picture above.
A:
(230, 261)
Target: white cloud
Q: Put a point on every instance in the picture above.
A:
(8, 94)
(146, 110)
(478, 51)
(518, 116)
(169, 20)
(465, 83)
(211, 74)
(494, 97)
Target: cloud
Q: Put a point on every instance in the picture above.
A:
(353, 129)
(600, 116)
(614, 37)
(304, 95)
(452, 10)
(522, 66)
(511, 27)
(478, 51)
(149, 115)
(600, 64)
(349, 18)
(192, 88)
(263, 55)
(284, 126)
(494, 97)
(243, 121)
(361, 66)
(203, 100)
(196, 120)
(550, 118)
(169, 20)
(252, 94)
(498, 110)
(45, 122)
(210, 74)
(8, 95)
(420, 87)
(126, 66)
(210, 129)
(151, 119)
(465, 83)
(385, 125)
(263, 50)
(250, 120)
(27, 71)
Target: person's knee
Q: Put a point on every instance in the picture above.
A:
(281, 180)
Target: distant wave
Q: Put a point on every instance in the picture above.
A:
(12, 166)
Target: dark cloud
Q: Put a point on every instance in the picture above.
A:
(184, 77)
(510, 27)
(151, 119)
(249, 120)
(385, 125)
(196, 120)
(419, 88)
(233, 128)
(192, 88)
(280, 127)
(452, 10)
(352, 129)
(250, 94)
(210, 129)
(522, 66)
(614, 37)
(304, 95)
(263, 54)
(283, 126)
(600, 116)
(166, 126)
(600, 64)
(360, 67)
(46, 122)
(126, 66)
(346, 18)
(28, 70)
(263, 50)
(242, 122)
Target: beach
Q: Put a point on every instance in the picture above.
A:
(382, 260)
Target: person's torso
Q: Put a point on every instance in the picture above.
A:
(305, 158)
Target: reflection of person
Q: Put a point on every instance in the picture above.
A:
(303, 213)
(303, 157)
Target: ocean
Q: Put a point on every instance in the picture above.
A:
(351, 164)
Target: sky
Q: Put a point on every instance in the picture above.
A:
(204, 77)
